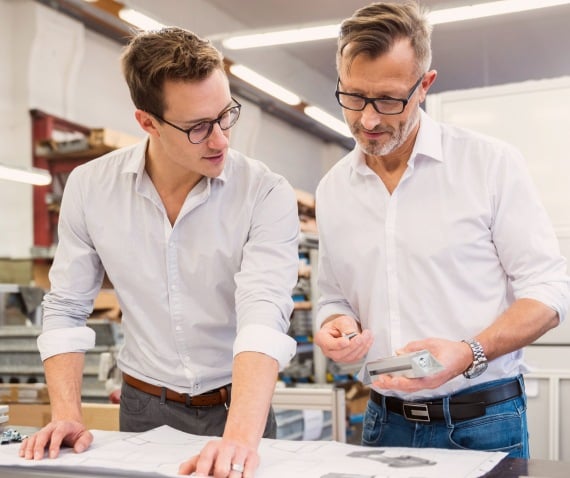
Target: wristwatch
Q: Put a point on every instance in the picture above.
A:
(480, 363)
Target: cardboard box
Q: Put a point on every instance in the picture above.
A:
(96, 416)
(23, 393)
(106, 305)
(15, 271)
(105, 137)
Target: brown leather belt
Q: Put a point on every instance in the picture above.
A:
(461, 406)
(218, 396)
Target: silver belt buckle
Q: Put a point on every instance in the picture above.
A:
(416, 412)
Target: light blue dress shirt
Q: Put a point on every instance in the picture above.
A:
(193, 294)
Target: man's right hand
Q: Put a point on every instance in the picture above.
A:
(334, 339)
(53, 436)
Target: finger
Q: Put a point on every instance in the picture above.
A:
(23, 447)
(206, 459)
(225, 459)
(83, 442)
(251, 464)
(238, 463)
(188, 466)
(27, 449)
(57, 437)
(37, 451)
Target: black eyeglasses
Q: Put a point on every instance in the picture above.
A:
(384, 105)
(201, 132)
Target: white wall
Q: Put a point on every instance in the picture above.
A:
(534, 116)
(15, 149)
(52, 63)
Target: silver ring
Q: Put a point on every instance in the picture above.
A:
(237, 467)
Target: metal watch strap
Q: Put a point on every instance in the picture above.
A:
(479, 358)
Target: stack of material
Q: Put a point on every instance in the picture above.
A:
(24, 393)
(3, 416)
(306, 205)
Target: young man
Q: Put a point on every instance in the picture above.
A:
(200, 243)
(431, 237)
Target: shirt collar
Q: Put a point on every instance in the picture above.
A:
(427, 145)
(135, 163)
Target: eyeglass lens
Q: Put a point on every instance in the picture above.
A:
(226, 120)
(358, 103)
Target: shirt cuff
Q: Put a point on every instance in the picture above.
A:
(336, 308)
(60, 341)
(268, 341)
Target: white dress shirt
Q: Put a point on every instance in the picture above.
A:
(460, 238)
(192, 295)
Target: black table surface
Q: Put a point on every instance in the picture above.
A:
(515, 467)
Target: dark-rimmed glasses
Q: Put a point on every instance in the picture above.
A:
(384, 105)
(201, 131)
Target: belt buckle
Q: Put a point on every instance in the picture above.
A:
(416, 412)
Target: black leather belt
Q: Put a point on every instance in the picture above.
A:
(208, 399)
(461, 406)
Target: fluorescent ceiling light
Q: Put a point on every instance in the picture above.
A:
(139, 19)
(265, 84)
(35, 176)
(282, 37)
(446, 15)
(490, 9)
(328, 120)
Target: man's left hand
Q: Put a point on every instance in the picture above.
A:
(455, 357)
(222, 458)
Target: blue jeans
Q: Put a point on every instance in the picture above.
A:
(502, 428)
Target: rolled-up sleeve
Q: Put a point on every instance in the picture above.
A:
(75, 277)
(268, 274)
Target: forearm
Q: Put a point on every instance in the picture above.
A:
(253, 383)
(520, 325)
(64, 375)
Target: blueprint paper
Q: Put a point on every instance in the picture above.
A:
(163, 449)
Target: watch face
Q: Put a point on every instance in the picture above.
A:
(475, 370)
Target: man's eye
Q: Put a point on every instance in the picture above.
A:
(200, 127)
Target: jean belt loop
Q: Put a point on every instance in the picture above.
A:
(520, 379)
(446, 412)
(163, 396)
(228, 401)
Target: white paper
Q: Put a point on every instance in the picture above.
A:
(313, 422)
(163, 449)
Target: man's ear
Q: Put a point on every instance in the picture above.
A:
(147, 122)
(428, 80)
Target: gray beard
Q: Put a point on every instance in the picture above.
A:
(375, 148)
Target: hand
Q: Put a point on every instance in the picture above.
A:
(334, 343)
(218, 456)
(454, 356)
(53, 436)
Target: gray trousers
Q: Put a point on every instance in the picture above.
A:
(140, 412)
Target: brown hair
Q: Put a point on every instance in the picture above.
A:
(373, 30)
(170, 53)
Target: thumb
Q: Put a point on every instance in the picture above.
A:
(83, 442)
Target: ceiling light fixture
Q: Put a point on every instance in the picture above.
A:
(139, 20)
(490, 9)
(35, 176)
(282, 37)
(446, 15)
(264, 84)
(328, 120)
